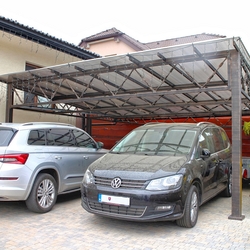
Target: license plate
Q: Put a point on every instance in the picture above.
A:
(114, 200)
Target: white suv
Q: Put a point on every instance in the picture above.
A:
(38, 161)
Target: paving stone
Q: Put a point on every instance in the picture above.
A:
(68, 226)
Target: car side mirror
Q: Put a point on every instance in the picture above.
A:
(99, 144)
(205, 153)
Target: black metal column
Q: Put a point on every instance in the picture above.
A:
(9, 103)
(87, 124)
(235, 83)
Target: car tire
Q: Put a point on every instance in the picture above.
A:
(228, 191)
(43, 195)
(191, 211)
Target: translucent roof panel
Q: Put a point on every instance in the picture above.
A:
(187, 80)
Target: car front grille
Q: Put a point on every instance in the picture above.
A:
(131, 211)
(125, 183)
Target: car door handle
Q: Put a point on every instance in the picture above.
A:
(58, 157)
(85, 157)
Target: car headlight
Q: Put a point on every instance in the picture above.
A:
(88, 178)
(166, 183)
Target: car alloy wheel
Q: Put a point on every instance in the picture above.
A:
(46, 193)
(190, 215)
(228, 191)
(194, 207)
(43, 195)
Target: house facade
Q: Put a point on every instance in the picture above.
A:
(114, 42)
(24, 48)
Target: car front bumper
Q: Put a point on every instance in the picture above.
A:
(143, 205)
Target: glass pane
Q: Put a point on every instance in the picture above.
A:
(5, 137)
(60, 137)
(217, 139)
(157, 141)
(36, 137)
(83, 140)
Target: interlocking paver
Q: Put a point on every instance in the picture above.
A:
(68, 226)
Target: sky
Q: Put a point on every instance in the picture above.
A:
(146, 21)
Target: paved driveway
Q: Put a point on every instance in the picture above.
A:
(68, 226)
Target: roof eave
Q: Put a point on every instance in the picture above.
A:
(44, 39)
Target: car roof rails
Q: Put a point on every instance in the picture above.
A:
(208, 123)
(46, 123)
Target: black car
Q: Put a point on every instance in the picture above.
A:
(160, 171)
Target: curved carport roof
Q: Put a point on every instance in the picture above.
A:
(204, 79)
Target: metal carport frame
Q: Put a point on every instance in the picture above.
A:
(204, 79)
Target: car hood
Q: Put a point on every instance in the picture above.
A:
(136, 166)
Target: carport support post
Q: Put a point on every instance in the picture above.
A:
(87, 124)
(235, 83)
(9, 103)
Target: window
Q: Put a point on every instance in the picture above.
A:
(29, 97)
(213, 139)
(83, 140)
(181, 137)
(158, 141)
(37, 137)
(206, 140)
(225, 139)
(178, 141)
(217, 139)
(60, 137)
(6, 136)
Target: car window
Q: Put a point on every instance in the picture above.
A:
(178, 141)
(217, 139)
(129, 142)
(37, 137)
(5, 136)
(206, 140)
(182, 137)
(225, 139)
(60, 137)
(83, 140)
(157, 141)
(214, 139)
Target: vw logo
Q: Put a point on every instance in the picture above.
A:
(116, 182)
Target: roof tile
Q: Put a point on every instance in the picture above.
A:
(113, 32)
(182, 40)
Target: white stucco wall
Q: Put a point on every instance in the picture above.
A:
(15, 52)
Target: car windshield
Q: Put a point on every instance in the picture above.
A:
(157, 141)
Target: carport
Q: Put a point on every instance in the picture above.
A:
(205, 79)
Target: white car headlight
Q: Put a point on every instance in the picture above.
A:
(88, 178)
(166, 183)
